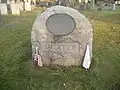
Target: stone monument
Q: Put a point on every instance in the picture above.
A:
(61, 36)
(3, 9)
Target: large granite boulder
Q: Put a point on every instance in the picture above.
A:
(61, 35)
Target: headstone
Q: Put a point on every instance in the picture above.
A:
(27, 6)
(3, 9)
(62, 35)
(15, 8)
(21, 6)
(113, 8)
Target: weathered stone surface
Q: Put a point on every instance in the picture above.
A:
(63, 50)
(3, 9)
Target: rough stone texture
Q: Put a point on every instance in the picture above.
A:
(3, 9)
(62, 50)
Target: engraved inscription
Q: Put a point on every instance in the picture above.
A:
(62, 47)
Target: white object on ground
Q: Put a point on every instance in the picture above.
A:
(40, 64)
(37, 58)
(87, 59)
(113, 7)
(27, 6)
(15, 9)
(3, 9)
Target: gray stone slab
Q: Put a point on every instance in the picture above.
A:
(62, 49)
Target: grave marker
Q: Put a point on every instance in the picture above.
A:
(62, 36)
(3, 9)
(15, 8)
(27, 6)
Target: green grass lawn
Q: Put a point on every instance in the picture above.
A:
(18, 73)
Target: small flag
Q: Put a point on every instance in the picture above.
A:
(87, 59)
(37, 58)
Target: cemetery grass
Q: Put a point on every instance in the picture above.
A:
(18, 73)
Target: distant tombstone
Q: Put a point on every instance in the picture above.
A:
(21, 6)
(61, 36)
(3, 9)
(113, 7)
(15, 8)
(27, 6)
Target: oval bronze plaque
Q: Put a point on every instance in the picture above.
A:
(60, 24)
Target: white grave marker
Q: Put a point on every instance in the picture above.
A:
(15, 9)
(3, 9)
(21, 6)
(27, 6)
(87, 59)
